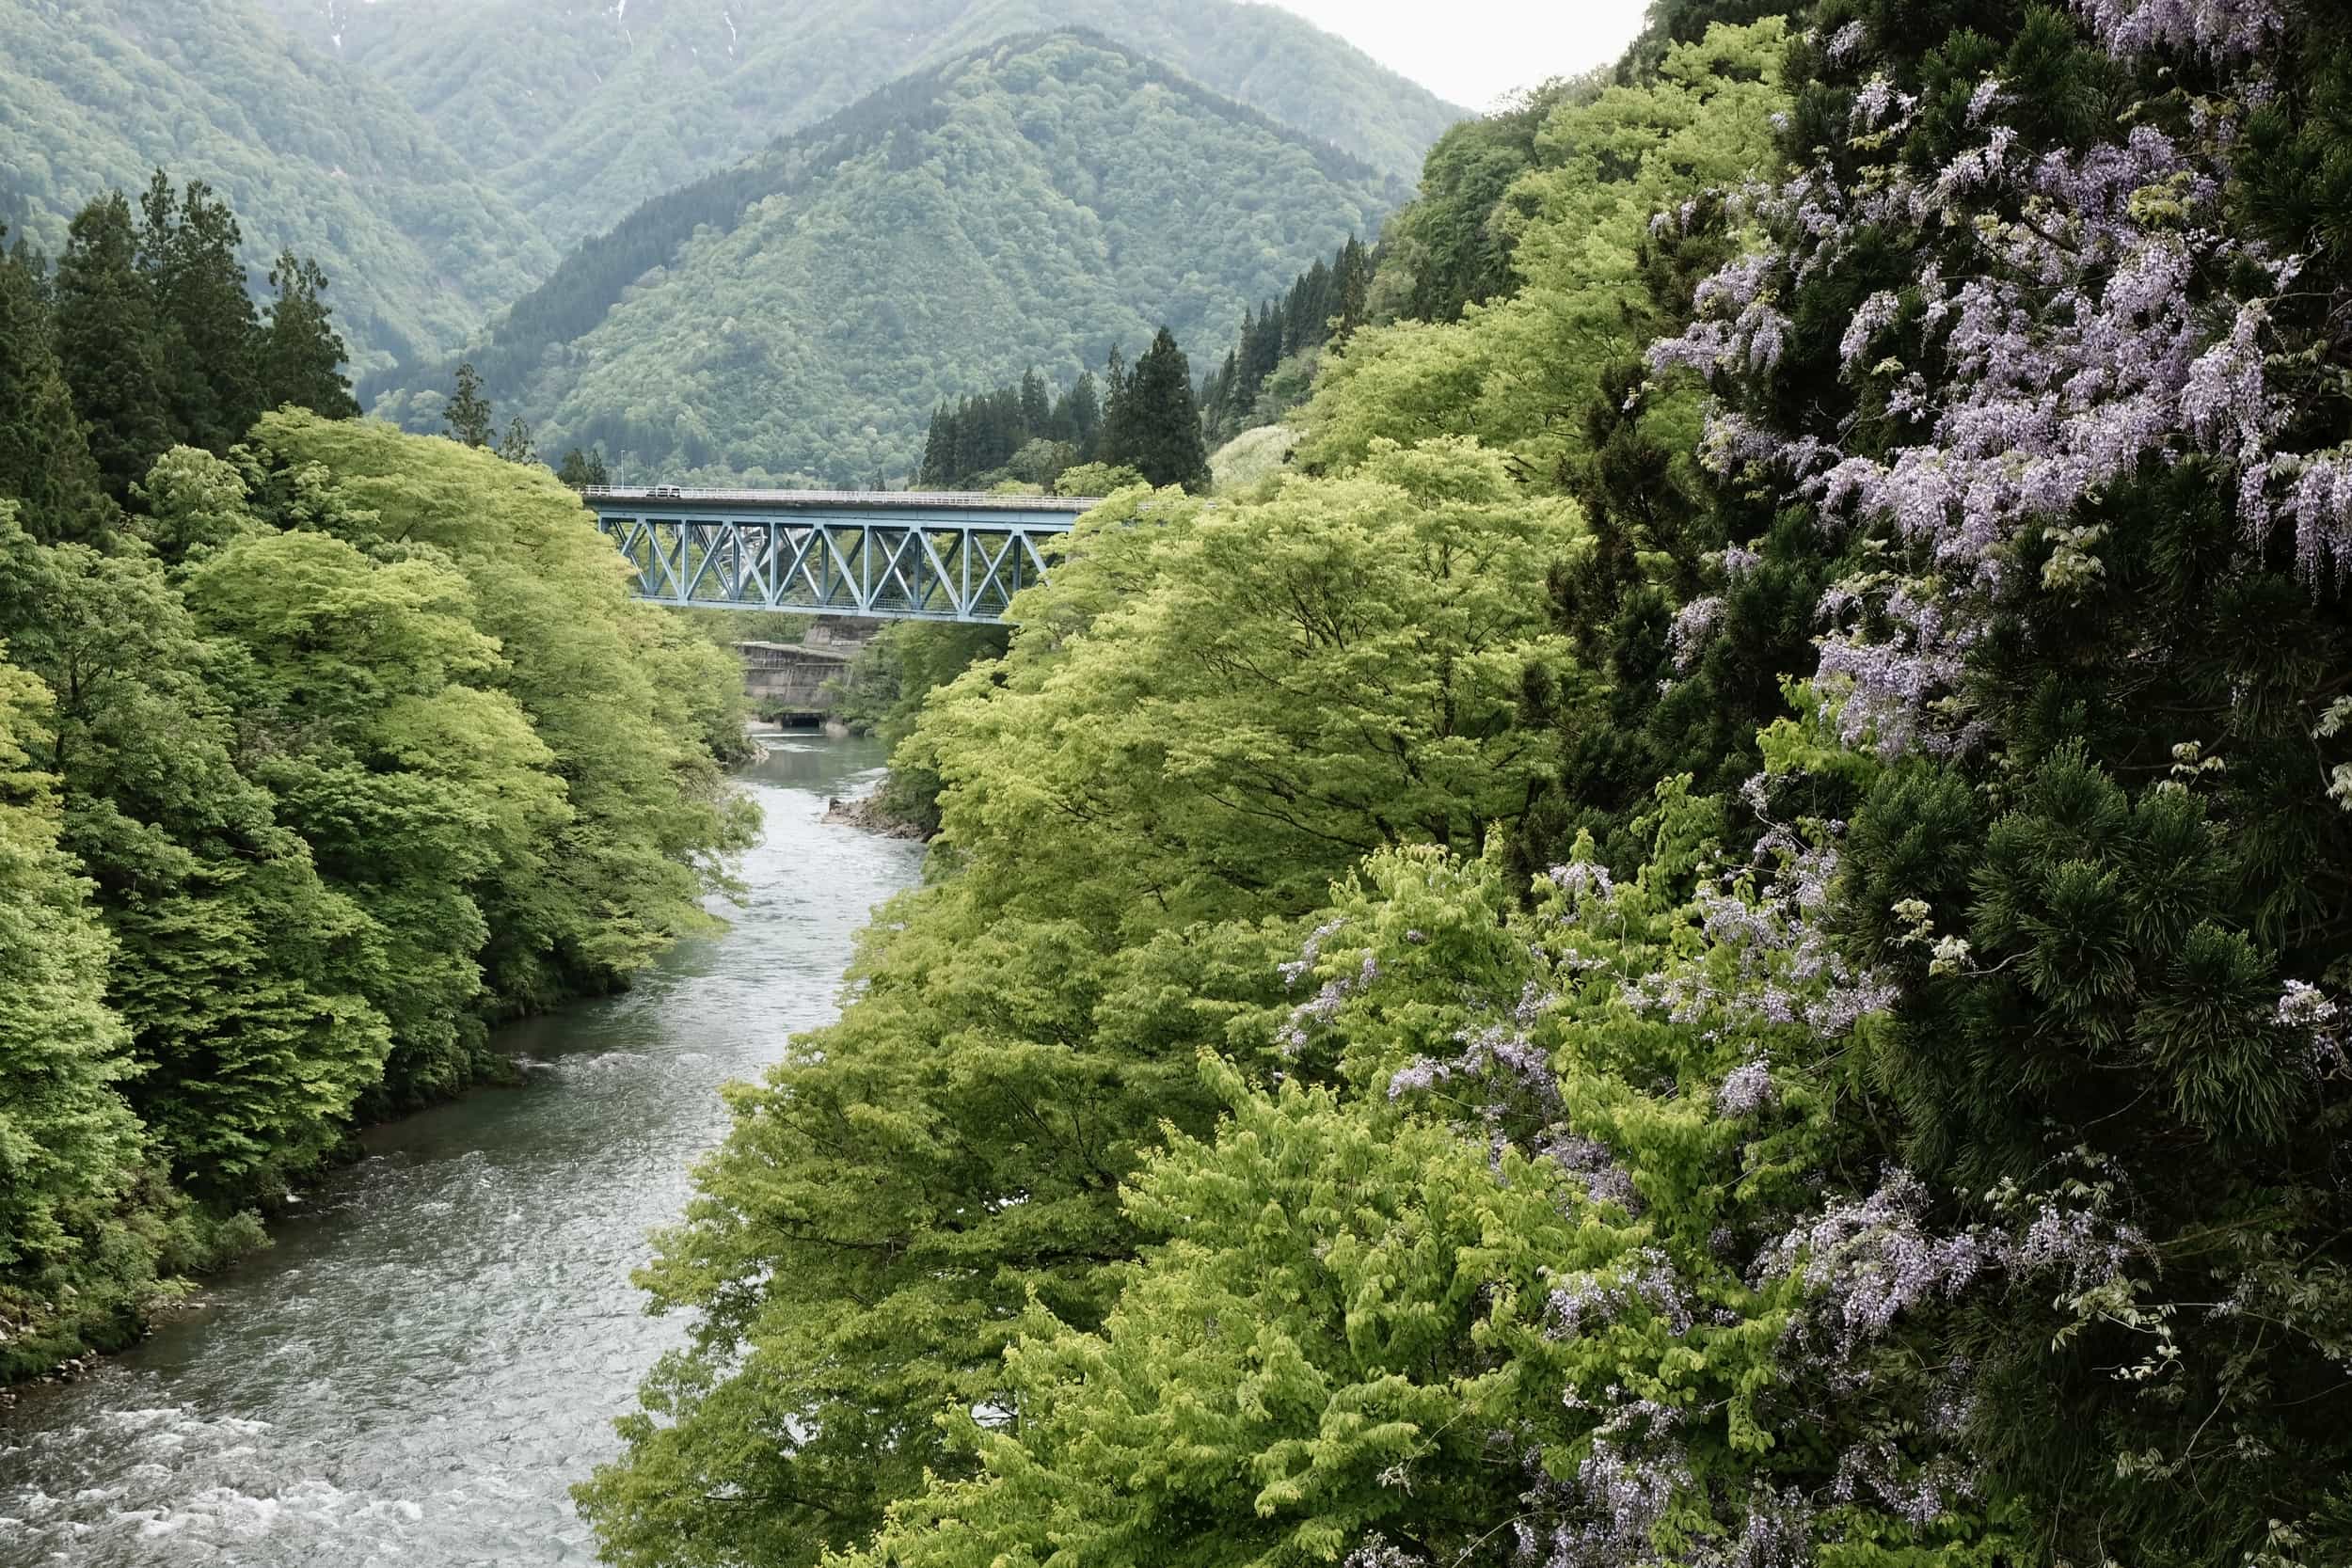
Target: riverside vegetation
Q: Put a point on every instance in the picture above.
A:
(322, 746)
(1715, 933)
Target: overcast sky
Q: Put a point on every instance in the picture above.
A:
(1474, 51)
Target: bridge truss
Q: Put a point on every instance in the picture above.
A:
(891, 555)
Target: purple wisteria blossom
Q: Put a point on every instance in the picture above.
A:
(1310, 954)
(1746, 1090)
(1693, 623)
(1591, 1164)
(1871, 1260)
(2319, 1022)
(2222, 30)
(1583, 878)
(2072, 349)
(1594, 1301)
(1324, 1007)
(1788, 971)
(1608, 1515)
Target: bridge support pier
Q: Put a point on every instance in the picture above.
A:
(793, 683)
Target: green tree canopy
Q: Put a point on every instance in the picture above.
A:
(1206, 717)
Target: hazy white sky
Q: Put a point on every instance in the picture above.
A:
(1474, 51)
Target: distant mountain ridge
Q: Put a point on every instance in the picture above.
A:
(578, 110)
(312, 153)
(1029, 203)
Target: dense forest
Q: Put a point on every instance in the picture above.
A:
(1715, 933)
(317, 158)
(1085, 439)
(577, 113)
(322, 747)
(798, 317)
(1140, 426)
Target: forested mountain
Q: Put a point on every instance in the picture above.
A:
(1036, 202)
(315, 157)
(579, 109)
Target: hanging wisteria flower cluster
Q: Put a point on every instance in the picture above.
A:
(2072, 344)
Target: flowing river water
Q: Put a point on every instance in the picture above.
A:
(435, 1346)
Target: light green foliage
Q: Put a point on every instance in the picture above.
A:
(628, 703)
(1348, 1327)
(1205, 718)
(1448, 251)
(1520, 371)
(1095, 478)
(353, 744)
(882, 693)
(578, 112)
(361, 702)
(1298, 1366)
(1251, 458)
(315, 158)
(72, 1266)
(801, 316)
(240, 972)
(1265, 692)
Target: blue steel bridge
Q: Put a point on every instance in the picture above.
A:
(889, 554)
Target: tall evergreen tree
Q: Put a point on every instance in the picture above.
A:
(467, 412)
(45, 460)
(1351, 289)
(302, 355)
(110, 343)
(581, 470)
(1156, 429)
(1035, 403)
(1085, 419)
(188, 250)
(516, 446)
(1114, 382)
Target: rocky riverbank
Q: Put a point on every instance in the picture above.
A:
(865, 813)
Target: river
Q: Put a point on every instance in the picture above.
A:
(435, 1346)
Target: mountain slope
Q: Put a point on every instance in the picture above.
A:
(310, 153)
(801, 314)
(579, 109)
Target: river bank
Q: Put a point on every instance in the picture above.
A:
(434, 1346)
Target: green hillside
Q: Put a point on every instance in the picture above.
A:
(581, 109)
(312, 154)
(799, 315)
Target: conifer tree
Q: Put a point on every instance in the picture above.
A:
(467, 412)
(188, 250)
(1351, 287)
(582, 470)
(1156, 428)
(1036, 406)
(302, 355)
(45, 460)
(1114, 382)
(1084, 417)
(110, 345)
(938, 452)
(516, 445)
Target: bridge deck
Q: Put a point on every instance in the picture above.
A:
(888, 554)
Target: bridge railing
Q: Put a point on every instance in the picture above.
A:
(887, 554)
